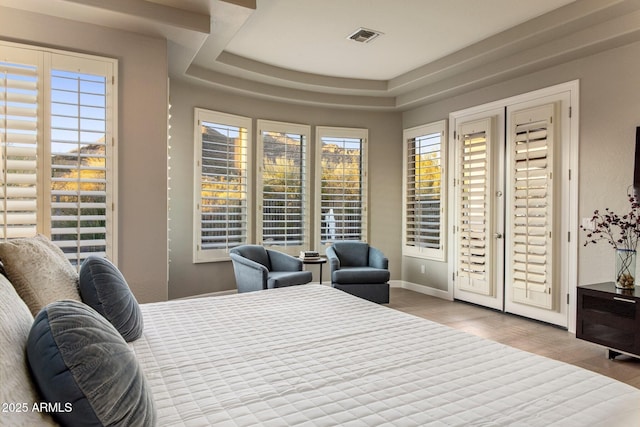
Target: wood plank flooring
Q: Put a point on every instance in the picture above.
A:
(518, 332)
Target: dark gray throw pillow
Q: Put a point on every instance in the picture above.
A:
(83, 366)
(104, 288)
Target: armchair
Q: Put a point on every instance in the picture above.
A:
(257, 268)
(360, 270)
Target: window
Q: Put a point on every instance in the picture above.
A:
(423, 225)
(221, 214)
(341, 184)
(283, 203)
(57, 144)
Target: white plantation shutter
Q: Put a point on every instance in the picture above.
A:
(283, 178)
(221, 184)
(80, 159)
(423, 191)
(473, 196)
(343, 184)
(511, 226)
(57, 115)
(531, 207)
(19, 93)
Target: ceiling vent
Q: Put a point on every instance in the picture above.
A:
(364, 35)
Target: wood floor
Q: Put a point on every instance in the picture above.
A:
(517, 332)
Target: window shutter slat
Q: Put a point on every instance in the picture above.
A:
(18, 136)
(473, 210)
(342, 199)
(423, 201)
(79, 164)
(222, 193)
(530, 272)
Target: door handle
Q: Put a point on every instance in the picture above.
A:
(498, 235)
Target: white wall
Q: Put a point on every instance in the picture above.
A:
(385, 177)
(142, 130)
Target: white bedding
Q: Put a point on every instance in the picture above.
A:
(312, 355)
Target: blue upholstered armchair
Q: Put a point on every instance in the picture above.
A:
(257, 268)
(360, 270)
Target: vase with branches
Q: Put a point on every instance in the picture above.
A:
(623, 233)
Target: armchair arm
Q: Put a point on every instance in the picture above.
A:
(377, 259)
(283, 262)
(334, 261)
(250, 275)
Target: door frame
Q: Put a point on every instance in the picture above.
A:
(568, 257)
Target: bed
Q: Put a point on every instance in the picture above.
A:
(312, 355)
(307, 355)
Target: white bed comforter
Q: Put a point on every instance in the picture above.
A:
(315, 356)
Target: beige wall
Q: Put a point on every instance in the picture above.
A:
(609, 114)
(142, 130)
(385, 177)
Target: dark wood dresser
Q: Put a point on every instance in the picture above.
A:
(609, 317)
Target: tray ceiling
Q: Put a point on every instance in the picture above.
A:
(298, 50)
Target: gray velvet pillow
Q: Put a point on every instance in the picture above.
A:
(103, 287)
(80, 362)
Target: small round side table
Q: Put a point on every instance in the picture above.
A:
(318, 261)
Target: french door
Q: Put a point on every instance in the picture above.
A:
(510, 217)
(478, 228)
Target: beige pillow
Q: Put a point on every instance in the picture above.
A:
(39, 271)
(17, 390)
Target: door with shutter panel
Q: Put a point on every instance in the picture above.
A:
(478, 253)
(509, 212)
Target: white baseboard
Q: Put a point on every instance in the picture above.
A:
(210, 294)
(438, 293)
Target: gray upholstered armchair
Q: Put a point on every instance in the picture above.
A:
(360, 270)
(257, 268)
